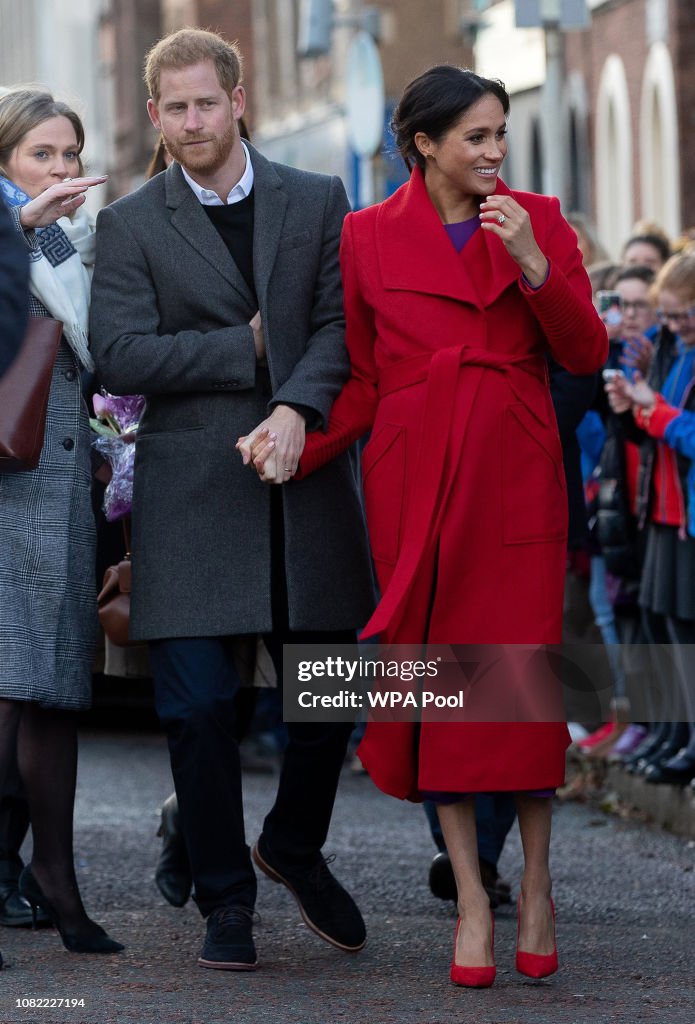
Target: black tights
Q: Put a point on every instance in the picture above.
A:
(46, 746)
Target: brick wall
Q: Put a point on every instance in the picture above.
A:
(135, 26)
(683, 48)
(419, 33)
(620, 27)
(617, 28)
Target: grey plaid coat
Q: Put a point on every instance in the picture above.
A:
(47, 541)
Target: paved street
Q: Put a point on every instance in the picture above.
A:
(624, 897)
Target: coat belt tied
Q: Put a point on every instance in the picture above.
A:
(440, 373)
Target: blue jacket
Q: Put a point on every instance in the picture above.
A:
(680, 435)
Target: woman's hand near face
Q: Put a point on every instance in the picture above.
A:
(59, 200)
(517, 234)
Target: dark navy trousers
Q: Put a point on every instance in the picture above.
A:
(195, 687)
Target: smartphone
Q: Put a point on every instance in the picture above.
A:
(610, 307)
(611, 374)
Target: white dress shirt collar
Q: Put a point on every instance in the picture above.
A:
(240, 191)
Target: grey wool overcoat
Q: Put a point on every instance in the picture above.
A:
(170, 314)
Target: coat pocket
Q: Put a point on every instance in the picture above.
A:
(534, 494)
(383, 474)
(295, 241)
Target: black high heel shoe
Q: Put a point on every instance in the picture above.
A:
(93, 941)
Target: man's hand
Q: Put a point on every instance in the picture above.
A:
(282, 437)
(258, 337)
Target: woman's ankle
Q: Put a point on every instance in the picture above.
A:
(475, 906)
(536, 887)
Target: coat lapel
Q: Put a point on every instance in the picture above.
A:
(194, 226)
(429, 263)
(269, 215)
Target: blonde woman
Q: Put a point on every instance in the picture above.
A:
(47, 627)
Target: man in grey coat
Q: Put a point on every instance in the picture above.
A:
(217, 294)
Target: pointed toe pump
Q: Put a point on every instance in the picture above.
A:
(92, 940)
(473, 977)
(536, 965)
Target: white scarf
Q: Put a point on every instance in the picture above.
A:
(64, 290)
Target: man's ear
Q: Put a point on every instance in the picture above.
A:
(154, 115)
(238, 99)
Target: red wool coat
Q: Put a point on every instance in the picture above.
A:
(463, 476)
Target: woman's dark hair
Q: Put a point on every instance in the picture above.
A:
(157, 162)
(657, 242)
(435, 101)
(644, 274)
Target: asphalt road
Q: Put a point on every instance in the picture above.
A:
(624, 896)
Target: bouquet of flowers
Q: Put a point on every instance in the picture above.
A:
(116, 423)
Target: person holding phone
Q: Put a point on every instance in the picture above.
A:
(47, 588)
(659, 413)
(456, 288)
(618, 548)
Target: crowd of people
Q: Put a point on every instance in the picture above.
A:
(637, 461)
(453, 325)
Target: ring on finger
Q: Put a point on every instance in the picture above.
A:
(501, 219)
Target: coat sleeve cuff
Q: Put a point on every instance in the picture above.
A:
(535, 287)
(28, 235)
(658, 419)
(530, 289)
(317, 451)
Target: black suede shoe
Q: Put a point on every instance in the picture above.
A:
(15, 911)
(173, 874)
(441, 879)
(327, 908)
(443, 883)
(228, 943)
(497, 889)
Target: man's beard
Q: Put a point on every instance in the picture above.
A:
(203, 161)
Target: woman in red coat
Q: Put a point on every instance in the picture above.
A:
(455, 290)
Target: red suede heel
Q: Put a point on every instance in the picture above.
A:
(473, 977)
(536, 965)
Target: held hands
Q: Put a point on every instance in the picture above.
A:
(274, 447)
(502, 216)
(59, 200)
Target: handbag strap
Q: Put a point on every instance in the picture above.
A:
(125, 523)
